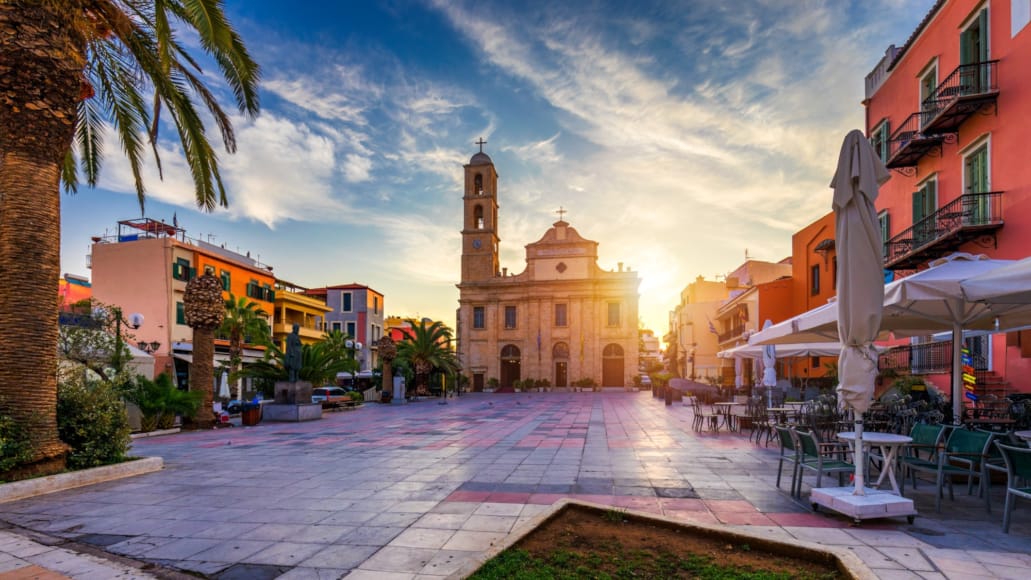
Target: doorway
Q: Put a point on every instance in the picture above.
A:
(560, 354)
(612, 366)
(510, 366)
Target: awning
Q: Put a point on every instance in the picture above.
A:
(219, 358)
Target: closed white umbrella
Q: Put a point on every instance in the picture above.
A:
(769, 367)
(860, 277)
(223, 386)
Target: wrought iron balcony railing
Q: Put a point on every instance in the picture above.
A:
(909, 143)
(973, 216)
(965, 91)
(732, 333)
(927, 359)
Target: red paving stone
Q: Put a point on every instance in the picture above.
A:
(545, 498)
(729, 506)
(474, 496)
(806, 521)
(508, 497)
(694, 505)
(744, 518)
(693, 517)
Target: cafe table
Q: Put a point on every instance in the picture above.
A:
(726, 410)
(1025, 435)
(888, 444)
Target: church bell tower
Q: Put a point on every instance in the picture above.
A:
(480, 225)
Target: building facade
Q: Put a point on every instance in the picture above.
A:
(358, 312)
(293, 307)
(562, 319)
(144, 269)
(948, 114)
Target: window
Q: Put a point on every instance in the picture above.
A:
(181, 270)
(336, 325)
(560, 315)
(478, 184)
(974, 50)
(928, 83)
(879, 139)
(351, 330)
(976, 208)
(925, 202)
(478, 318)
(478, 217)
(814, 279)
(180, 313)
(1020, 15)
(225, 276)
(345, 302)
(375, 304)
(613, 314)
(510, 317)
(884, 220)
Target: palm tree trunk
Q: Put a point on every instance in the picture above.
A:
(202, 374)
(388, 377)
(40, 71)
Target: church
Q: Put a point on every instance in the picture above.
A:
(563, 318)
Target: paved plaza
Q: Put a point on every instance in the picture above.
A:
(419, 490)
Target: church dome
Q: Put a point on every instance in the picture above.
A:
(481, 158)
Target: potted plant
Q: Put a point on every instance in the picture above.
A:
(492, 384)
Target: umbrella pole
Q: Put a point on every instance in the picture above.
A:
(957, 374)
(859, 458)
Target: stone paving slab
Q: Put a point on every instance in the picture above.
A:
(420, 490)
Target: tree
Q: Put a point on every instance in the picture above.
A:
(204, 310)
(244, 319)
(67, 69)
(86, 338)
(387, 354)
(320, 363)
(426, 349)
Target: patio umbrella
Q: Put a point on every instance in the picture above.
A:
(860, 302)
(1002, 287)
(769, 367)
(784, 350)
(223, 386)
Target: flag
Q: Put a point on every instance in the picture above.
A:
(712, 327)
(175, 220)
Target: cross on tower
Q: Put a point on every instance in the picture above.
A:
(481, 143)
(561, 212)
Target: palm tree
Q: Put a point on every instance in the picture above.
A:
(67, 70)
(387, 354)
(320, 364)
(244, 318)
(204, 311)
(427, 349)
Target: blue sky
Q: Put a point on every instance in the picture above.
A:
(677, 134)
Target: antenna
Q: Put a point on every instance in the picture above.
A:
(747, 257)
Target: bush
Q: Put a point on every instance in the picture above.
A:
(160, 401)
(15, 447)
(356, 396)
(91, 419)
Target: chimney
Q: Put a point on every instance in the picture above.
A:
(620, 266)
(504, 271)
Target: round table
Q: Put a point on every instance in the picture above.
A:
(1025, 435)
(889, 444)
(725, 409)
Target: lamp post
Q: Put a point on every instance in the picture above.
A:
(148, 347)
(135, 321)
(353, 346)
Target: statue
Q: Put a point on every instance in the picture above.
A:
(292, 359)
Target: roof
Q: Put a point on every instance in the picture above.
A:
(916, 33)
(481, 158)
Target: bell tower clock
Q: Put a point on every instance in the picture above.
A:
(480, 225)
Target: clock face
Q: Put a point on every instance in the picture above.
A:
(476, 244)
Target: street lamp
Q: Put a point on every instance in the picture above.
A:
(135, 321)
(149, 347)
(353, 346)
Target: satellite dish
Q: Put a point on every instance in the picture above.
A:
(136, 320)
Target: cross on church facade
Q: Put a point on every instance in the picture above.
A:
(481, 143)
(561, 213)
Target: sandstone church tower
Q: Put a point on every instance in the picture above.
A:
(480, 230)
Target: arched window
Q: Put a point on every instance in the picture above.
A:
(560, 350)
(478, 217)
(510, 352)
(612, 350)
(478, 185)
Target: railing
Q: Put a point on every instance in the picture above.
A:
(734, 332)
(967, 80)
(968, 211)
(927, 359)
(909, 132)
(261, 293)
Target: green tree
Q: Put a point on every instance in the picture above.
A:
(428, 348)
(69, 69)
(320, 363)
(244, 322)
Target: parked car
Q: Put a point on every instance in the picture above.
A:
(329, 396)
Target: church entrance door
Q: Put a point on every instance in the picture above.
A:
(612, 366)
(510, 367)
(561, 374)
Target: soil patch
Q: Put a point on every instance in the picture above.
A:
(581, 542)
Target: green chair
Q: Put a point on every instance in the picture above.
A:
(964, 455)
(921, 452)
(820, 458)
(788, 452)
(1018, 472)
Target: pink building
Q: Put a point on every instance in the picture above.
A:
(949, 113)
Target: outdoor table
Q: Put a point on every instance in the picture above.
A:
(781, 413)
(1025, 435)
(725, 409)
(889, 444)
(795, 403)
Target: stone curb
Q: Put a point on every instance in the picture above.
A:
(62, 481)
(156, 433)
(848, 561)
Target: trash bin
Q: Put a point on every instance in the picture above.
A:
(250, 413)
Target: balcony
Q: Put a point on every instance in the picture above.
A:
(970, 217)
(969, 89)
(927, 359)
(908, 144)
(733, 332)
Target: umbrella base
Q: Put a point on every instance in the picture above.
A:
(875, 504)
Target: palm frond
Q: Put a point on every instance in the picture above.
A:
(89, 136)
(70, 172)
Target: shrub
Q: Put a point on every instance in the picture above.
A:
(15, 447)
(356, 396)
(160, 401)
(91, 419)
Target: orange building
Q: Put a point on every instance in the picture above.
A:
(144, 269)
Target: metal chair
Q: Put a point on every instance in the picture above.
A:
(788, 452)
(926, 440)
(1018, 470)
(967, 448)
(821, 458)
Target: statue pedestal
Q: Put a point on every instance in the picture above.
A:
(292, 403)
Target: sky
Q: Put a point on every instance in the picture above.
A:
(679, 135)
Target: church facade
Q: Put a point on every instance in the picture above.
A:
(562, 319)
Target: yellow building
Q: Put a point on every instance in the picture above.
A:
(562, 319)
(293, 307)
